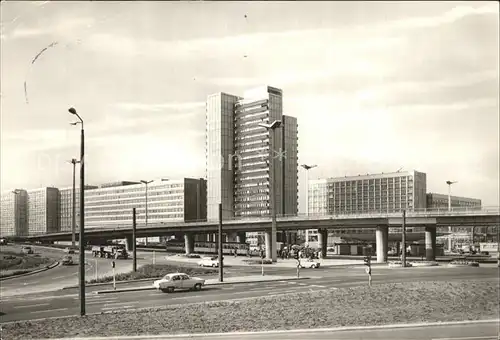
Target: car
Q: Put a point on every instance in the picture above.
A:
(209, 262)
(27, 250)
(67, 261)
(69, 250)
(173, 281)
(306, 263)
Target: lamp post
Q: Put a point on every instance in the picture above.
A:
(81, 241)
(307, 168)
(271, 128)
(73, 200)
(449, 209)
(146, 183)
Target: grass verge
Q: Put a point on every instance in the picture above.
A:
(153, 271)
(14, 263)
(357, 306)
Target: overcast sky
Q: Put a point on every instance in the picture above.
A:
(374, 86)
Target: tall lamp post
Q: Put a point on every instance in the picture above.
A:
(307, 168)
(449, 209)
(73, 200)
(146, 183)
(81, 241)
(271, 128)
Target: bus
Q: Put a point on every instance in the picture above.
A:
(207, 247)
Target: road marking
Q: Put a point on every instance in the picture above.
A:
(115, 304)
(117, 307)
(29, 306)
(488, 337)
(49, 310)
(62, 277)
(302, 284)
(318, 286)
(97, 302)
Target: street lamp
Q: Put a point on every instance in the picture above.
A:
(147, 182)
(81, 241)
(307, 168)
(73, 215)
(272, 127)
(449, 209)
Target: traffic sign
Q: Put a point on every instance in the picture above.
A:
(113, 264)
(367, 270)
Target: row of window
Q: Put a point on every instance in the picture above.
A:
(127, 218)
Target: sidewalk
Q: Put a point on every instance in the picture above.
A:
(213, 282)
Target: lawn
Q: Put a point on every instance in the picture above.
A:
(18, 263)
(357, 306)
(153, 271)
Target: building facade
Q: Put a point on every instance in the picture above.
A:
(243, 157)
(385, 192)
(456, 236)
(66, 209)
(43, 211)
(167, 201)
(440, 201)
(14, 213)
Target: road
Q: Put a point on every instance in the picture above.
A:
(63, 276)
(66, 302)
(483, 331)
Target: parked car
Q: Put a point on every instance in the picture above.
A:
(307, 263)
(69, 250)
(171, 282)
(67, 261)
(209, 262)
(27, 250)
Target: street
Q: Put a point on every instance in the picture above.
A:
(65, 302)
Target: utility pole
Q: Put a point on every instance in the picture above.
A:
(134, 242)
(146, 183)
(73, 201)
(403, 241)
(449, 209)
(221, 260)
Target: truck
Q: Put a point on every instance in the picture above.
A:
(109, 252)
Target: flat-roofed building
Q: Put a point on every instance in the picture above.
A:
(66, 209)
(43, 211)
(167, 201)
(384, 192)
(14, 213)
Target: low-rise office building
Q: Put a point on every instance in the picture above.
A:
(14, 213)
(167, 201)
(66, 209)
(385, 192)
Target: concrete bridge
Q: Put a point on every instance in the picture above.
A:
(235, 228)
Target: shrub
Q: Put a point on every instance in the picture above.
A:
(151, 271)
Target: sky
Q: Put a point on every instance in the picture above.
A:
(374, 86)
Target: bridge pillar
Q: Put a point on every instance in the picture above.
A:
(430, 243)
(189, 243)
(232, 237)
(241, 237)
(381, 237)
(322, 241)
(268, 245)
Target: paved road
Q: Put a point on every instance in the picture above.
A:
(483, 331)
(66, 303)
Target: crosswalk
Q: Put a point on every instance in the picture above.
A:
(108, 303)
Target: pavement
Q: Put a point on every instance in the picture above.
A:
(432, 331)
(66, 302)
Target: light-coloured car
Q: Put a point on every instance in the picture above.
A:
(27, 250)
(306, 263)
(209, 262)
(171, 282)
(67, 261)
